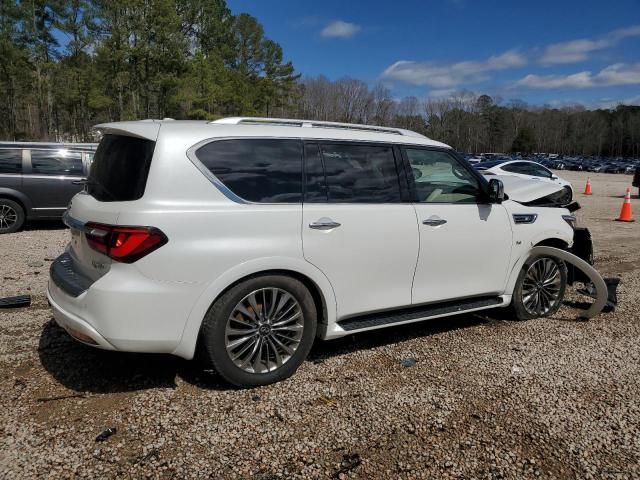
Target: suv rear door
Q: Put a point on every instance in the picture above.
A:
(49, 180)
(465, 242)
(357, 228)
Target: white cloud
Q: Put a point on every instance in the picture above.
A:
(575, 51)
(613, 75)
(443, 76)
(340, 29)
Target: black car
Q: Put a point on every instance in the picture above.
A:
(37, 180)
(636, 180)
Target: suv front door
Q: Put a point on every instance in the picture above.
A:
(356, 228)
(465, 242)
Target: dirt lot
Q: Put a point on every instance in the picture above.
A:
(487, 398)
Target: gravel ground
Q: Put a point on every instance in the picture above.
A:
(486, 398)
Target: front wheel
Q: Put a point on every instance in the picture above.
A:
(260, 331)
(540, 288)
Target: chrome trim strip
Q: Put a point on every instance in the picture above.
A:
(525, 218)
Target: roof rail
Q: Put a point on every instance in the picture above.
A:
(288, 122)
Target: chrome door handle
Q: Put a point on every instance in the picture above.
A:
(434, 222)
(324, 224)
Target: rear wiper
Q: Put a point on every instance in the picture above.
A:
(94, 183)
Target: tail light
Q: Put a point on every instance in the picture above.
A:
(124, 244)
(486, 173)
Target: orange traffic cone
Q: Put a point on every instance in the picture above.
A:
(625, 213)
(587, 188)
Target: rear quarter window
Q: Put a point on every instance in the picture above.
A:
(256, 170)
(120, 168)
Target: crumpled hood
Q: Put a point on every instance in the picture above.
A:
(524, 190)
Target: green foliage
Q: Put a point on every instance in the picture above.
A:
(132, 59)
(524, 142)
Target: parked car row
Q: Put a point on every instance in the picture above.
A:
(555, 162)
(38, 180)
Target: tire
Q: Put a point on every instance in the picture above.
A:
(568, 195)
(265, 361)
(11, 216)
(522, 304)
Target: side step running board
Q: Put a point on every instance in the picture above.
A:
(377, 319)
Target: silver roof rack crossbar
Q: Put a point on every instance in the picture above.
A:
(286, 122)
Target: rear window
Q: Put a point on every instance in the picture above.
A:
(257, 170)
(120, 168)
(10, 160)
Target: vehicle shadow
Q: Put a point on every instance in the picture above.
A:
(89, 370)
(398, 334)
(44, 225)
(86, 369)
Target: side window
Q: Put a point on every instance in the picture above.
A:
(439, 178)
(10, 160)
(540, 171)
(56, 162)
(315, 189)
(360, 173)
(257, 170)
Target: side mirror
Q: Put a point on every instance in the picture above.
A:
(496, 191)
(554, 177)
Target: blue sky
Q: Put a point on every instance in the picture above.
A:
(543, 52)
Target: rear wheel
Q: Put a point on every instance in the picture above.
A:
(260, 331)
(540, 288)
(11, 216)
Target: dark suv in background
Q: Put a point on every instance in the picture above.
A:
(37, 180)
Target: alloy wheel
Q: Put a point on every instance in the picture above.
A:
(264, 330)
(541, 286)
(8, 217)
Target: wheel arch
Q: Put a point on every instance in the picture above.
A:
(312, 278)
(17, 197)
(550, 241)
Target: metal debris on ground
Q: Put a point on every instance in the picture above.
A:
(15, 302)
(408, 362)
(612, 289)
(104, 435)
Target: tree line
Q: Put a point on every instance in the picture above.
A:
(70, 64)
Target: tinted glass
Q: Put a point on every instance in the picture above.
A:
(315, 183)
(440, 178)
(516, 168)
(360, 173)
(539, 171)
(257, 170)
(10, 161)
(56, 162)
(120, 168)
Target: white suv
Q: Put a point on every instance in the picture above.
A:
(247, 238)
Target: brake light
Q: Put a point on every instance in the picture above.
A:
(124, 244)
(486, 173)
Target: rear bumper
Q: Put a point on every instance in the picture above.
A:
(74, 325)
(123, 310)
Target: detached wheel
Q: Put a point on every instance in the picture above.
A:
(540, 288)
(11, 216)
(260, 331)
